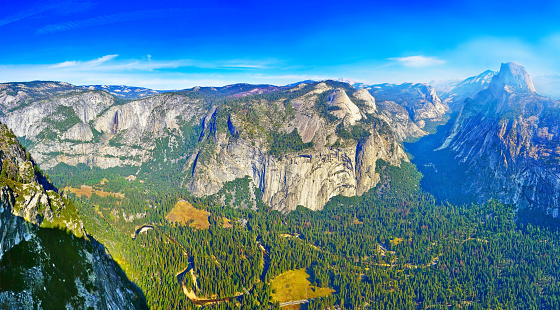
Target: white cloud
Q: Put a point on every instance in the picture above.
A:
(79, 64)
(458, 62)
(539, 56)
(146, 72)
(101, 60)
(19, 16)
(64, 64)
(418, 61)
(109, 19)
(60, 6)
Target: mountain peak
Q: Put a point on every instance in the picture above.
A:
(347, 81)
(512, 76)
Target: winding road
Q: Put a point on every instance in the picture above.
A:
(295, 302)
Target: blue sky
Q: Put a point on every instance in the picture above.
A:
(179, 44)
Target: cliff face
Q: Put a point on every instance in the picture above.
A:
(508, 139)
(40, 263)
(335, 164)
(420, 100)
(92, 127)
(399, 120)
(455, 97)
(308, 179)
(215, 135)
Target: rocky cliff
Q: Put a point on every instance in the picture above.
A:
(214, 135)
(323, 114)
(90, 127)
(455, 97)
(398, 118)
(41, 264)
(419, 100)
(507, 139)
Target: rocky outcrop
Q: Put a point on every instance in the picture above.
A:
(34, 203)
(49, 266)
(34, 260)
(367, 99)
(147, 117)
(309, 179)
(307, 126)
(79, 132)
(398, 119)
(91, 128)
(420, 100)
(343, 107)
(512, 77)
(468, 88)
(507, 139)
(13, 229)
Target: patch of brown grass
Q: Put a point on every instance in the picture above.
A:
(87, 191)
(294, 285)
(184, 212)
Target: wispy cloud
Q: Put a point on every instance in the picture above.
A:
(240, 64)
(101, 60)
(23, 14)
(64, 64)
(60, 7)
(418, 61)
(469, 58)
(146, 72)
(109, 19)
(90, 63)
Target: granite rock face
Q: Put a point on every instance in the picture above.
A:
(49, 266)
(420, 100)
(61, 123)
(13, 229)
(398, 118)
(367, 99)
(507, 137)
(343, 107)
(309, 177)
(512, 77)
(468, 88)
(76, 126)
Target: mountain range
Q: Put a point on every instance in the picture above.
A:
(327, 133)
(150, 169)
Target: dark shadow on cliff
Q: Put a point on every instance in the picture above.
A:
(53, 267)
(140, 299)
(443, 175)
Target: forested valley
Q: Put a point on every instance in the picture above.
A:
(395, 247)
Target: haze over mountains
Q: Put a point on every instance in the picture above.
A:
(124, 92)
